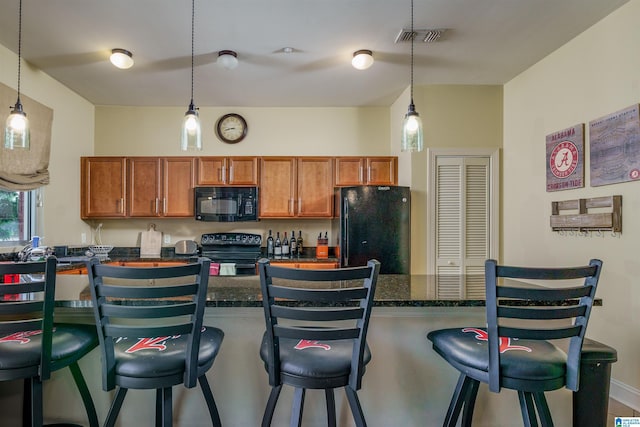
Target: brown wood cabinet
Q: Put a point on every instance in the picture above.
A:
(102, 187)
(227, 171)
(366, 171)
(296, 187)
(161, 187)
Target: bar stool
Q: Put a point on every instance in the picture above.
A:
(320, 354)
(521, 356)
(149, 323)
(31, 344)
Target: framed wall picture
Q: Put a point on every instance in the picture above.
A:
(565, 159)
(614, 147)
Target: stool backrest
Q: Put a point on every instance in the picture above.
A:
(26, 306)
(346, 296)
(148, 302)
(536, 309)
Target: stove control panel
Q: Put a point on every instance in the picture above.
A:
(227, 239)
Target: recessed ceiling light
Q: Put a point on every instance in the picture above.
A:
(121, 58)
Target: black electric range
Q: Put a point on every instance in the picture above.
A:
(240, 249)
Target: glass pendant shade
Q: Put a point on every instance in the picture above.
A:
(16, 129)
(191, 131)
(412, 137)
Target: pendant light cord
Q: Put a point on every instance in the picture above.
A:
(413, 36)
(19, 45)
(193, 14)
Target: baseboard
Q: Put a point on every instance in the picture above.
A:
(625, 394)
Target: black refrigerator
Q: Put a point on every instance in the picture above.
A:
(374, 222)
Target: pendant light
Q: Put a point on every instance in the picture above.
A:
(191, 132)
(412, 139)
(16, 129)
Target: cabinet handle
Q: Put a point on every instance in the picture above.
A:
(223, 178)
(299, 204)
(360, 174)
(369, 174)
(230, 174)
(120, 204)
(156, 205)
(164, 205)
(290, 205)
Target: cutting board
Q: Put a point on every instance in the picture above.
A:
(150, 243)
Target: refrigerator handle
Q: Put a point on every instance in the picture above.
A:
(345, 232)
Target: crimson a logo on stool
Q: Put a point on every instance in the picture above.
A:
(563, 160)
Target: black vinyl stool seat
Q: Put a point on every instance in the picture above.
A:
(150, 327)
(31, 344)
(303, 346)
(515, 350)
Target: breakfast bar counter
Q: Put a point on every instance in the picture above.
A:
(406, 382)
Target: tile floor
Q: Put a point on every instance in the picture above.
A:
(617, 409)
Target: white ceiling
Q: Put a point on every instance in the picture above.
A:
(487, 42)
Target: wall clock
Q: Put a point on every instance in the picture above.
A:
(231, 128)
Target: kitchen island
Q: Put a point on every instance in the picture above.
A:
(406, 383)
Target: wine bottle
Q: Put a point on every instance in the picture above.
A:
(293, 245)
(270, 245)
(277, 247)
(285, 246)
(299, 243)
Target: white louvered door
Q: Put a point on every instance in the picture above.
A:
(462, 211)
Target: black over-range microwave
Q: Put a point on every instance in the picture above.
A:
(226, 204)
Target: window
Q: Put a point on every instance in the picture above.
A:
(17, 216)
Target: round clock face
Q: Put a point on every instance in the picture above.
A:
(231, 128)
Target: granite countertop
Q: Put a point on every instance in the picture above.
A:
(393, 290)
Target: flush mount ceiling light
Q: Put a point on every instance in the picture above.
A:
(121, 58)
(412, 139)
(227, 59)
(16, 130)
(191, 138)
(362, 59)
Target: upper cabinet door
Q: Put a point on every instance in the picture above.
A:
(144, 186)
(315, 187)
(243, 171)
(102, 187)
(212, 170)
(227, 171)
(366, 171)
(382, 170)
(277, 187)
(177, 186)
(349, 171)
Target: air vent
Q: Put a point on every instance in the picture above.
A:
(426, 36)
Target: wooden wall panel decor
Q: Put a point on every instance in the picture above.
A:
(599, 213)
(614, 142)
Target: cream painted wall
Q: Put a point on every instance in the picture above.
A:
(72, 136)
(272, 131)
(453, 116)
(595, 74)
